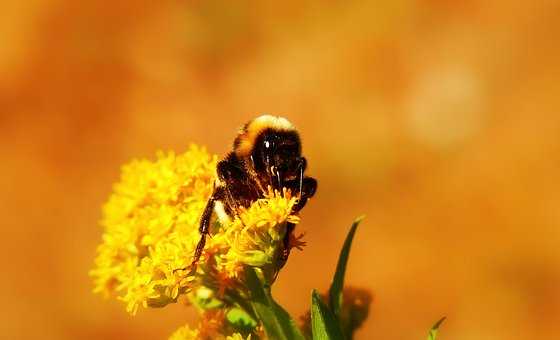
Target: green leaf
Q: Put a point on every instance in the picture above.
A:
(434, 331)
(240, 320)
(335, 291)
(323, 323)
(276, 321)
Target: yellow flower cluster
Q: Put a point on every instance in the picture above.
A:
(150, 227)
(254, 236)
(151, 230)
(210, 326)
(186, 333)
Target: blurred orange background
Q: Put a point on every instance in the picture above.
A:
(437, 119)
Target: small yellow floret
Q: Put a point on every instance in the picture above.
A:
(185, 333)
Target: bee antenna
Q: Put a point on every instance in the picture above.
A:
(279, 180)
(269, 170)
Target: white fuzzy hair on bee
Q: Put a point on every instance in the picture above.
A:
(249, 133)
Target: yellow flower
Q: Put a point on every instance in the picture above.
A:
(151, 227)
(237, 336)
(151, 231)
(185, 333)
(212, 325)
(255, 237)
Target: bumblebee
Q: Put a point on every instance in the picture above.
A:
(266, 152)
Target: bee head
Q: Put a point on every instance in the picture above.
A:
(277, 151)
(272, 144)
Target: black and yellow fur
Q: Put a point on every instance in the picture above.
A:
(266, 152)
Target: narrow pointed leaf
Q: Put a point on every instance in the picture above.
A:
(435, 328)
(335, 291)
(323, 323)
(276, 321)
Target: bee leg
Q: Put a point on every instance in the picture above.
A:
(203, 228)
(309, 186)
(231, 174)
(302, 165)
(232, 204)
(286, 242)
